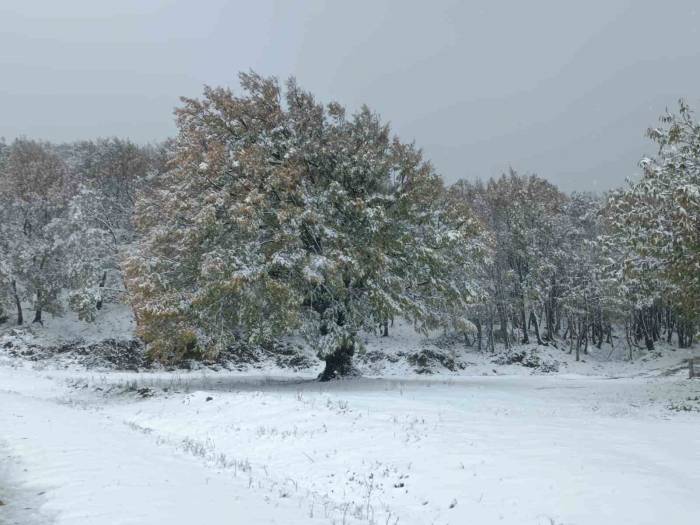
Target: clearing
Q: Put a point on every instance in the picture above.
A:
(83, 447)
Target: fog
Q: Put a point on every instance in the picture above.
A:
(562, 89)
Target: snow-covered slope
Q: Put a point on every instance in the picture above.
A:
(116, 321)
(221, 447)
(110, 344)
(435, 433)
(92, 469)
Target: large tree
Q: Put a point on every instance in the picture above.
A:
(109, 173)
(523, 215)
(60, 226)
(34, 190)
(283, 214)
(656, 220)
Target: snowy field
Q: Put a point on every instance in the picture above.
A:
(82, 447)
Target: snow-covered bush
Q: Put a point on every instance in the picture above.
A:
(528, 358)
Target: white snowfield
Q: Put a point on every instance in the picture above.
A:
(225, 448)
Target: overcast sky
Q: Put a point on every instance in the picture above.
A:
(564, 89)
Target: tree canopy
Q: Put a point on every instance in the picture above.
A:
(281, 214)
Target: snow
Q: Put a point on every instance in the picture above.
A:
(96, 470)
(116, 321)
(222, 447)
(509, 450)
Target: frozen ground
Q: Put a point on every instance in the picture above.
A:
(594, 444)
(219, 448)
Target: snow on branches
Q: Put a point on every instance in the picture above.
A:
(281, 214)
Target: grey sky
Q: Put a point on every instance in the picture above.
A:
(561, 88)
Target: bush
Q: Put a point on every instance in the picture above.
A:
(528, 359)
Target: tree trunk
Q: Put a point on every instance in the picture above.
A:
(628, 339)
(339, 363)
(536, 325)
(504, 325)
(578, 342)
(644, 330)
(103, 281)
(478, 332)
(526, 339)
(549, 322)
(18, 303)
(37, 312)
(600, 329)
(550, 310)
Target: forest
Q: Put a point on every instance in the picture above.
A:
(377, 262)
(271, 213)
(285, 312)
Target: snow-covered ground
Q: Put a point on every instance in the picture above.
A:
(593, 444)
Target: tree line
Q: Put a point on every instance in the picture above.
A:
(273, 214)
(65, 217)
